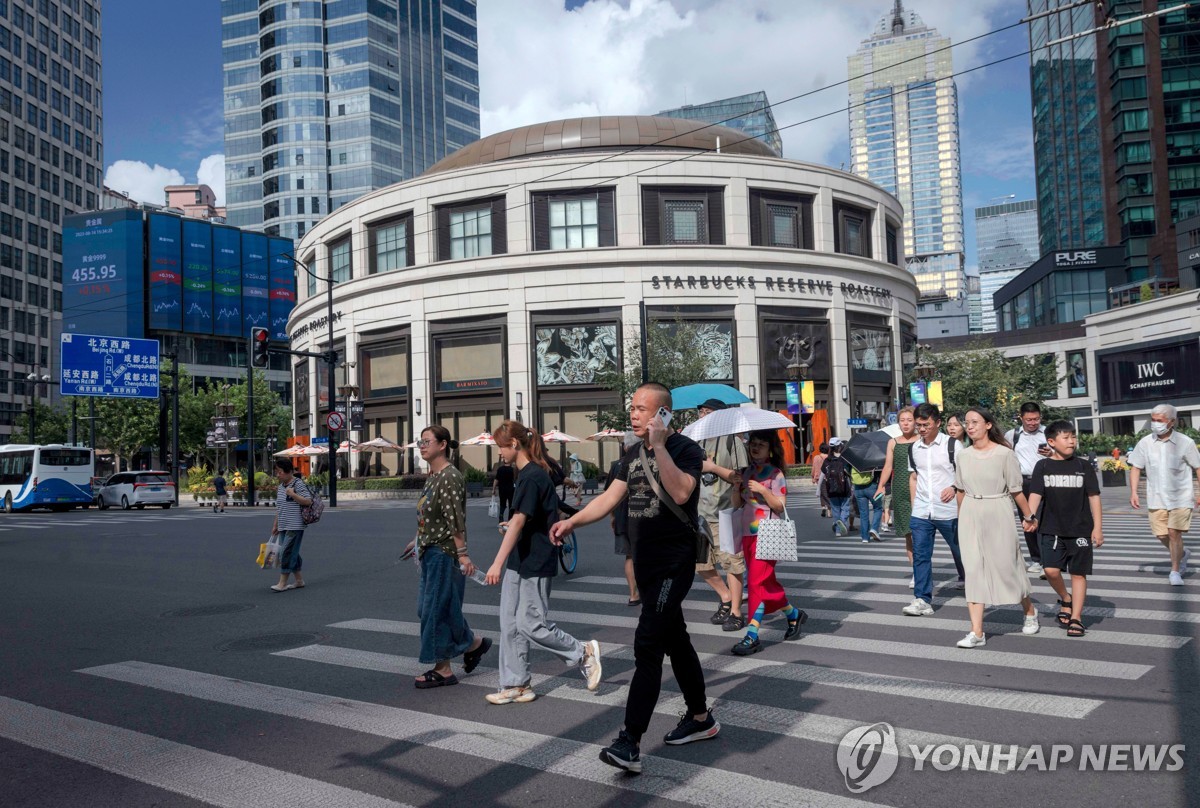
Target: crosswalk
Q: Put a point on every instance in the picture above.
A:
(860, 661)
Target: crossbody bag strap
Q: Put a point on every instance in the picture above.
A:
(652, 478)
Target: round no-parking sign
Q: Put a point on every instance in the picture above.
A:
(335, 421)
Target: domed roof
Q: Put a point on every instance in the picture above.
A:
(603, 132)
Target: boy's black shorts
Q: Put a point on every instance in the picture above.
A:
(1073, 555)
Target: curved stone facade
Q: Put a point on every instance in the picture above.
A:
(755, 250)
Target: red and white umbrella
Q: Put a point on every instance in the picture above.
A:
(291, 451)
(347, 446)
(554, 436)
(482, 439)
(608, 434)
(316, 450)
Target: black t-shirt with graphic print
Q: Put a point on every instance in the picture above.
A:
(1065, 486)
(659, 537)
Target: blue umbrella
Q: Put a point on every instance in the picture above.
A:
(693, 395)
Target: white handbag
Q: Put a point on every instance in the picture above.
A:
(776, 539)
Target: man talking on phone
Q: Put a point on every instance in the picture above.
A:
(664, 564)
(1029, 442)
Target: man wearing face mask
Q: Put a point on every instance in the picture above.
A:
(1170, 459)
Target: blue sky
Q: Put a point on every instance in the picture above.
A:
(163, 95)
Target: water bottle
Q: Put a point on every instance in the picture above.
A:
(478, 576)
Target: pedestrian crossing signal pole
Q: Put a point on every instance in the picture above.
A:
(260, 357)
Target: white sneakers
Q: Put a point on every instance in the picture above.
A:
(1175, 578)
(512, 695)
(1183, 562)
(918, 608)
(1034, 568)
(590, 665)
(1031, 624)
(972, 640)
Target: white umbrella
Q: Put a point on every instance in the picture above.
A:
(292, 451)
(608, 434)
(736, 420)
(482, 439)
(893, 430)
(347, 446)
(312, 451)
(379, 445)
(554, 436)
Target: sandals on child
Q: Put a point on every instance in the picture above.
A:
(1075, 629)
(1064, 614)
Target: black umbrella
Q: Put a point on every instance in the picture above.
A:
(867, 451)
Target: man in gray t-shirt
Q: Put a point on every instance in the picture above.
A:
(724, 459)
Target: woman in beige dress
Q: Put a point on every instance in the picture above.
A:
(988, 479)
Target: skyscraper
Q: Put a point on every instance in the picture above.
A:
(1066, 127)
(51, 165)
(1006, 237)
(750, 113)
(325, 102)
(904, 137)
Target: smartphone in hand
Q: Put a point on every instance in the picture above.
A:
(664, 415)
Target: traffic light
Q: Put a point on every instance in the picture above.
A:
(260, 339)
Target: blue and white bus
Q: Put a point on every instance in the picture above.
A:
(55, 476)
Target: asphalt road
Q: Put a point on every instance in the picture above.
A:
(144, 661)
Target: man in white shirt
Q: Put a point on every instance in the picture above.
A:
(1029, 443)
(1170, 459)
(934, 507)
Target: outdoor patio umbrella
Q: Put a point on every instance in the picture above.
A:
(554, 436)
(379, 445)
(608, 434)
(693, 395)
(482, 439)
(867, 451)
(312, 451)
(735, 421)
(347, 446)
(291, 451)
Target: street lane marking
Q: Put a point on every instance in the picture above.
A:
(943, 692)
(872, 618)
(689, 783)
(196, 773)
(792, 723)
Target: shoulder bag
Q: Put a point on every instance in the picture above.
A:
(776, 538)
(699, 527)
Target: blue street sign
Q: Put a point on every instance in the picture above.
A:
(320, 440)
(856, 421)
(109, 367)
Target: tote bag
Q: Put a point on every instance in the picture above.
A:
(776, 539)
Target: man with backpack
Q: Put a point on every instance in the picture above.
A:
(934, 504)
(835, 486)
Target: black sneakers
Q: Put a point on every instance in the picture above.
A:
(623, 753)
(689, 729)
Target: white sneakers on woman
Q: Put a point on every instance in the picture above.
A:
(973, 640)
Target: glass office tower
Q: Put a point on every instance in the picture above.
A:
(325, 102)
(1006, 238)
(750, 113)
(51, 165)
(1066, 128)
(904, 137)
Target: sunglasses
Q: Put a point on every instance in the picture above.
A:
(423, 442)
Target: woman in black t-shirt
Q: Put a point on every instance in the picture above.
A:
(524, 567)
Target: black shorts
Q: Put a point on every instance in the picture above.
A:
(1073, 555)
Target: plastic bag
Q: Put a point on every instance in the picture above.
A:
(494, 507)
(270, 552)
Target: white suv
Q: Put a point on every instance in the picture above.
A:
(137, 489)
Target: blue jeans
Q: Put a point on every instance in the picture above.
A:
(444, 631)
(289, 559)
(922, 544)
(868, 510)
(839, 508)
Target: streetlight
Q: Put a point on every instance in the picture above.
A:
(221, 432)
(348, 392)
(796, 371)
(330, 358)
(924, 369)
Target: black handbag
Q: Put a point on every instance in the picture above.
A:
(703, 535)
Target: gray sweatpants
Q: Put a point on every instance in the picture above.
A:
(524, 603)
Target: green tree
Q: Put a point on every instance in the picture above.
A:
(675, 358)
(196, 410)
(52, 423)
(125, 425)
(982, 376)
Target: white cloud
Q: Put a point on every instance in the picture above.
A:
(141, 181)
(212, 173)
(540, 62)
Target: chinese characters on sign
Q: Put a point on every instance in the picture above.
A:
(109, 366)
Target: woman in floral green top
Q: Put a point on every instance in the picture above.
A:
(441, 543)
